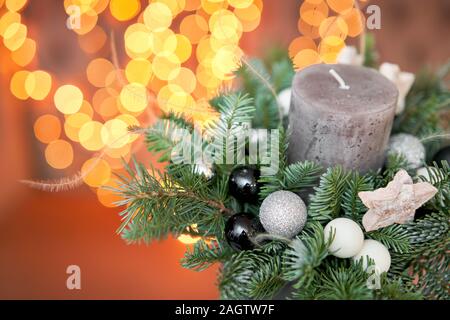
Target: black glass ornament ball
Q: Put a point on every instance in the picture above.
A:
(240, 229)
(243, 184)
(443, 154)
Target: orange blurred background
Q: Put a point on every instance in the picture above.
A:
(42, 233)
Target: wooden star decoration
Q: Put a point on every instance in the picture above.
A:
(396, 203)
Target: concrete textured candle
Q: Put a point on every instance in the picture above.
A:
(341, 115)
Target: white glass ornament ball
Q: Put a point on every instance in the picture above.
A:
(348, 237)
(377, 252)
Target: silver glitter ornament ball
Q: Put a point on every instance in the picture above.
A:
(283, 213)
(408, 146)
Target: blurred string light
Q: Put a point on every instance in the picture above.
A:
(325, 25)
(180, 54)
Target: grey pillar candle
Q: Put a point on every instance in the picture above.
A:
(333, 125)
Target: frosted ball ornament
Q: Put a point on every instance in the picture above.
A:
(377, 252)
(283, 213)
(348, 237)
(409, 147)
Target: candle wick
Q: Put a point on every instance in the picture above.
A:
(342, 84)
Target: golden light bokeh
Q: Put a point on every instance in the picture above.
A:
(93, 41)
(184, 78)
(124, 10)
(68, 99)
(194, 27)
(134, 97)
(139, 71)
(184, 48)
(98, 70)
(301, 43)
(38, 84)
(340, 6)
(8, 19)
(314, 13)
(240, 4)
(108, 197)
(192, 5)
(114, 133)
(59, 154)
(157, 16)
(178, 54)
(318, 22)
(90, 136)
(306, 57)
(15, 5)
(47, 128)
(163, 42)
(17, 84)
(73, 124)
(15, 36)
(25, 54)
(88, 21)
(96, 172)
(166, 67)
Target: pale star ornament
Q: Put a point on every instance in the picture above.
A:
(396, 203)
(402, 80)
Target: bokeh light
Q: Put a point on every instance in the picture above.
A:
(17, 84)
(90, 136)
(59, 154)
(15, 5)
(124, 10)
(25, 54)
(324, 26)
(179, 53)
(96, 172)
(47, 128)
(38, 84)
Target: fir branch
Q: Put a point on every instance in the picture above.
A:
(351, 203)
(181, 194)
(179, 120)
(257, 69)
(325, 204)
(235, 111)
(282, 73)
(204, 254)
(394, 163)
(394, 237)
(266, 282)
(344, 283)
(165, 204)
(370, 52)
(267, 110)
(304, 255)
(428, 229)
(294, 177)
(250, 275)
(396, 289)
(422, 114)
(163, 137)
(433, 274)
(257, 81)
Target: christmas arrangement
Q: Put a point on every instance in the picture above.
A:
(338, 217)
